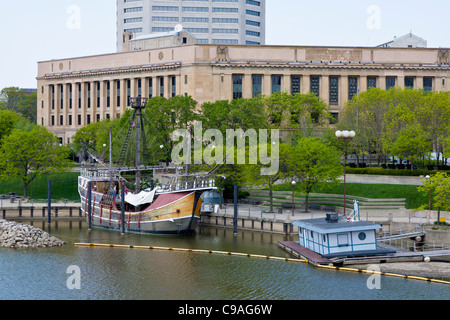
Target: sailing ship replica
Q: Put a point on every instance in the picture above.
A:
(171, 208)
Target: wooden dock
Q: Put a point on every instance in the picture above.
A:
(302, 253)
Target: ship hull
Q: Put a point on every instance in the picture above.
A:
(170, 213)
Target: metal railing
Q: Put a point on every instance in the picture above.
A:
(187, 185)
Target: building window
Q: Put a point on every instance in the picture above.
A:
(256, 86)
(165, 8)
(161, 86)
(237, 86)
(295, 84)
(108, 94)
(89, 95)
(128, 91)
(70, 96)
(334, 91)
(276, 84)
(70, 119)
(118, 93)
(334, 117)
(88, 119)
(390, 82)
(253, 23)
(79, 119)
(133, 30)
(98, 117)
(62, 96)
(352, 87)
(342, 240)
(53, 97)
(371, 82)
(53, 120)
(228, 10)
(196, 9)
(362, 236)
(409, 82)
(315, 85)
(79, 96)
(174, 86)
(252, 33)
(253, 13)
(133, 9)
(427, 84)
(139, 87)
(150, 87)
(98, 94)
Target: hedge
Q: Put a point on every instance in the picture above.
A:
(392, 172)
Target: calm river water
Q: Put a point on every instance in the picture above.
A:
(131, 274)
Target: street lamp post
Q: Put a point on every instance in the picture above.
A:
(293, 205)
(345, 136)
(427, 177)
(161, 147)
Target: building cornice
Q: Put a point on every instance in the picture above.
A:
(111, 71)
(330, 65)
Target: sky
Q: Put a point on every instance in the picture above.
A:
(40, 30)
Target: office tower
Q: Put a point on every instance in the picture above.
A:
(210, 21)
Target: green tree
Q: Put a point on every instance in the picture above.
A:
(15, 99)
(29, 154)
(365, 114)
(439, 186)
(8, 119)
(253, 178)
(313, 163)
(301, 114)
(164, 116)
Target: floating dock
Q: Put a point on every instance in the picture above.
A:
(300, 252)
(314, 258)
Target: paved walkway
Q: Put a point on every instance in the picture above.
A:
(251, 211)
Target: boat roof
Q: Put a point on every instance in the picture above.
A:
(322, 226)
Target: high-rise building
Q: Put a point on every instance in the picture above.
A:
(210, 21)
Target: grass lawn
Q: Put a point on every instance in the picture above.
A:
(414, 198)
(64, 186)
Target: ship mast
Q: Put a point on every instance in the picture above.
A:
(138, 104)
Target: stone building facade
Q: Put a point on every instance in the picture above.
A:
(75, 92)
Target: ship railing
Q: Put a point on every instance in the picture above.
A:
(97, 174)
(189, 185)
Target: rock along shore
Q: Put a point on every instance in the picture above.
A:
(19, 235)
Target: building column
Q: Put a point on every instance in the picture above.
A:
(401, 82)
(167, 85)
(123, 96)
(247, 86)
(325, 88)
(144, 87)
(305, 84)
(103, 89)
(382, 82)
(267, 85)
(45, 113)
(418, 82)
(286, 83)
(362, 85)
(343, 91)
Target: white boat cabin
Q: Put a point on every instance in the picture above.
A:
(337, 236)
